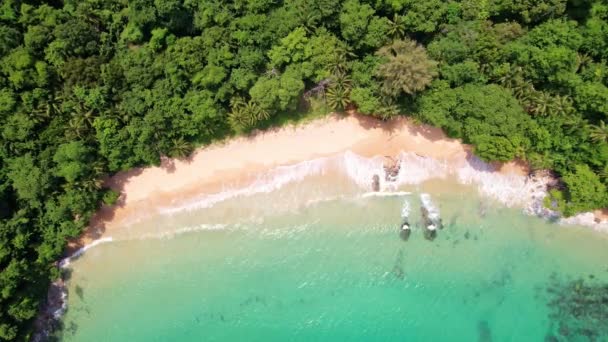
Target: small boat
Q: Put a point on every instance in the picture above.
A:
(430, 231)
(405, 230)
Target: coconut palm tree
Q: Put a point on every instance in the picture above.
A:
(512, 79)
(562, 105)
(309, 18)
(255, 112)
(604, 173)
(599, 133)
(582, 60)
(407, 68)
(181, 148)
(396, 27)
(47, 109)
(337, 98)
(341, 80)
(91, 184)
(388, 109)
(523, 90)
(237, 118)
(245, 115)
(77, 127)
(542, 104)
(337, 95)
(342, 55)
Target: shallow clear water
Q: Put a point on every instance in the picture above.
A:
(316, 261)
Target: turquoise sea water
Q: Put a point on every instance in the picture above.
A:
(317, 261)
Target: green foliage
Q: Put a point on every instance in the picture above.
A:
(27, 178)
(599, 133)
(527, 10)
(487, 116)
(461, 73)
(406, 68)
(360, 27)
(73, 161)
(110, 197)
(585, 190)
(366, 100)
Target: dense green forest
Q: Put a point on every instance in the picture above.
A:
(92, 87)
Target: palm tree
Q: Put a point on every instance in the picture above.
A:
(582, 60)
(91, 184)
(396, 27)
(407, 68)
(523, 90)
(342, 55)
(542, 104)
(338, 92)
(574, 124)
(246, 114)
(308, 17)
(599, 133)
(604, 173)
(237, 119)
(47, 109)
(337, 98)
(562, 105)
(77, 127)
(388, 109)
(341, 80)
(255, 112)
(181, 148)
(512, 79)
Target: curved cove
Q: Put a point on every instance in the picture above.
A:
(333, 267)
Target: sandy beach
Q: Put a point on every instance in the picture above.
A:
(236, 161)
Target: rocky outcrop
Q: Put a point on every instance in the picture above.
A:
(391, 169)
(49, 317)
(376, 183)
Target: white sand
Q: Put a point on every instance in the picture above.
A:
(235, 161)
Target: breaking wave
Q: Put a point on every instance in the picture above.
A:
(512, 190)
(66, 261)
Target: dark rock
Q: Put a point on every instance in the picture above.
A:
(483, 329)
(376, 183)
(391, 169)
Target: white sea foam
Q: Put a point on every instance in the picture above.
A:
(266, 183)
(415, 169)
(58, 313)
(430, 206)
(361, 170)
(585, 219)
(314, 201)
(510, 189)
(385, 194)
(405, 209)
(184, 230)
(66, 261)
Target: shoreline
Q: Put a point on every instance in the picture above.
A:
(236, 162)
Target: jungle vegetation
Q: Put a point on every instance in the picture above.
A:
(92, 87)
